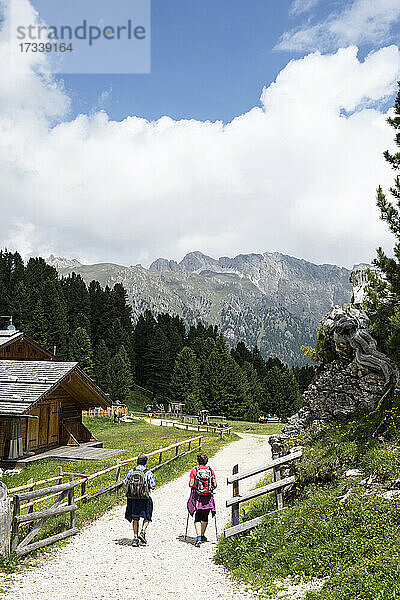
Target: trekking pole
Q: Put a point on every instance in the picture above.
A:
(187, 525)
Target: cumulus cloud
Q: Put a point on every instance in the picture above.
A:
(299, 7)
(359, 22)
(296, 174)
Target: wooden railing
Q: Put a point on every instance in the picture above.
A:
(222, 431)
(105, 412)
(25, 497)
(277, 486)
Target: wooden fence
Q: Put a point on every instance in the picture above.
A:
(277, 486)
(105, 412)
(25, 497)
(214, 429)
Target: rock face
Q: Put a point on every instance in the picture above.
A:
(270, 300)
(354, 375)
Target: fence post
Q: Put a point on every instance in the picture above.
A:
(118, 472)
(5, 521)
(160, 457)
(199, 443)
(83, 491)
(190, 443)
(30, 509)
(176, 449)
(235, 507)
(14, 527)
(71, 494)
(277, 477)
(59, 474)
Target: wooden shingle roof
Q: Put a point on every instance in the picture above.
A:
(7, 337)
(22, 383)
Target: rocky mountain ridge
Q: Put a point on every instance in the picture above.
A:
(272, 300)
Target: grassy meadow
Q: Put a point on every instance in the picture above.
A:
(337, 527)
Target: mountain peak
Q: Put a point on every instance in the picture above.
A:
(59, 262)
(197, 261)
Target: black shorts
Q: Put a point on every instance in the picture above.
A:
(201, 515)
(136, 509)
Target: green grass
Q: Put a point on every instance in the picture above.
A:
(356, 543)
(256, 428)
(132, 438)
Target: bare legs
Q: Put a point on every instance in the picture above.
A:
(201, 528)
(135, 527)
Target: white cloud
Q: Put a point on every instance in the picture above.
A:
(299, 7)
(293, 175)
(360, 22)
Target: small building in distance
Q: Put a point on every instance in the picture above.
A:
(16, 345)
(41, 399)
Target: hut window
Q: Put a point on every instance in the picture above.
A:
(8, 349)
(19, 348)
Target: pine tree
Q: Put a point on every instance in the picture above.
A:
(185, 384)
(242, 354)
(102, 366)
(384, 294)
(81, 350)
(120, 377)
(281, 393)
(38, 327)
(157, 364)
(258, 363)
(77, 302)
(56, 317)
(143, 333)
(254, 393)
(224, 391)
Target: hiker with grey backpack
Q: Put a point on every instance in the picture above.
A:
(139, 482)
(202, 483)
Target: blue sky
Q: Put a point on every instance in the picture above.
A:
(261, 127)
(210, 60)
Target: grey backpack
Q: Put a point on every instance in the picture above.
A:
(137, 487)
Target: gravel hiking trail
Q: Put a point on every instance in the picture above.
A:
(100, 563)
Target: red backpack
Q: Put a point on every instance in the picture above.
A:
(204, 481)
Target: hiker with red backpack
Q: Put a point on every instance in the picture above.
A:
(201, 502)
(139, 482)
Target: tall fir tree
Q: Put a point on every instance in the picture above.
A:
(157, 364)
(38, 326)
(185, 381)
(81, 350)
(56, 317)
(281, 393)
(143, 333)
(102, 366)
(120, 377)
(224, 391)
(383, 300)
(254, 393)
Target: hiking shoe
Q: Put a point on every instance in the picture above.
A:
(198, 541)
(135, 542)
(142, 537)
(204, 539)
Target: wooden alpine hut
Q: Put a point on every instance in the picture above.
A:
(41, 399)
